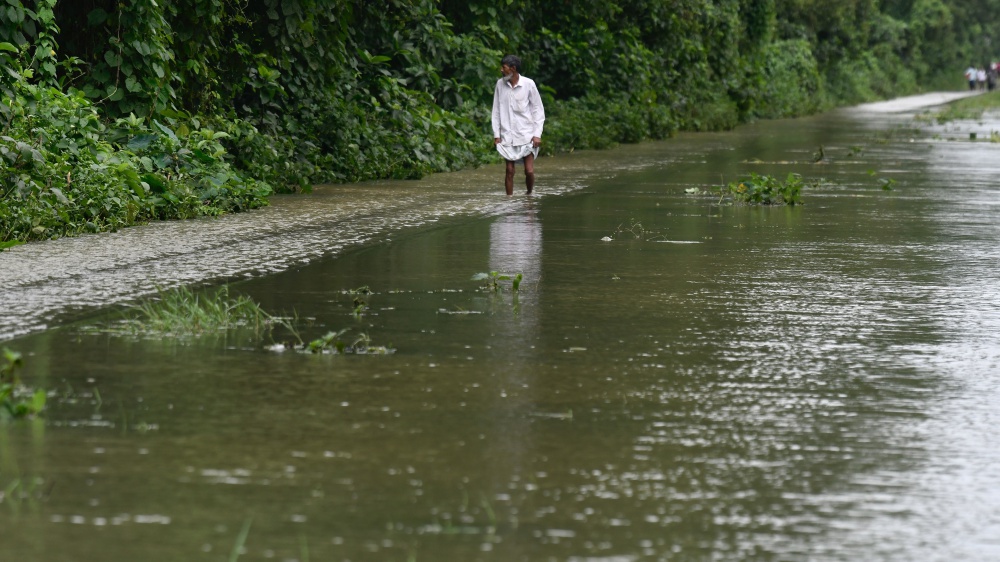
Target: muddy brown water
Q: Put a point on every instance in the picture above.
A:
(712, 383)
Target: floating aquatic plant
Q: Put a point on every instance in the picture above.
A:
(360, 301)
(885, 183)
(757, 189)
(334, 342)
(16, 400)
(493, 279)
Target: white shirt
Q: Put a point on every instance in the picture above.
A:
(518, 114)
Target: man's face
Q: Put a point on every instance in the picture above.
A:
(508, 72)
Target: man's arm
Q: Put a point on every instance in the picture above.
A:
(537, 111)
(496, 115)
(537, 114)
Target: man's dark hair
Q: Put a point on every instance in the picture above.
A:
(512, 60)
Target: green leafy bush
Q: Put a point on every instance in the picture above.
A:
(791, 83)
(64, 171)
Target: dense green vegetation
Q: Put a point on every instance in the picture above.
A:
(116, 112)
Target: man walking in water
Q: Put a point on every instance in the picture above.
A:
(518, 116)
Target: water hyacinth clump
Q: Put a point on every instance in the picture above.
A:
(757, 189)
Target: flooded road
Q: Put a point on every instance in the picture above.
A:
(674, 380)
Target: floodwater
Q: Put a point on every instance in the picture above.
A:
(674, 380)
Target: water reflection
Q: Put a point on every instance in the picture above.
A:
(516, 242)
(515, 246)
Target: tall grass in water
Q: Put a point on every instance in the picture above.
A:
(184, 312)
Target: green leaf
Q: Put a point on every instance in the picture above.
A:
(166, 130)
(97, 17)
(37, 401)
(60, 196)
(112, 58)
(8, 47)
(203, 157)
(14, 15)
(156, 184)
(141, 142)
(45, 15)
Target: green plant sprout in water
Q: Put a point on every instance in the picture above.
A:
(333, 342)
(360, 301)
(885, 183)
(494, 278)
(16, 401)
(757, 189)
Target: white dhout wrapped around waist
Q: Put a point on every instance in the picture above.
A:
(516, 152)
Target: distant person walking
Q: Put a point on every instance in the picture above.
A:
(518, 117)
(971, 75)
(981, 78)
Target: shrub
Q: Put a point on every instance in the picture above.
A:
(63, 171)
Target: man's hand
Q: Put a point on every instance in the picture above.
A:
(536, 142)
(496, 141)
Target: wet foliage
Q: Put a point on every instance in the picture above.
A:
(761, 189)
(339, 343)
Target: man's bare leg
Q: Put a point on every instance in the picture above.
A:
(529, 172)
(508, 181)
